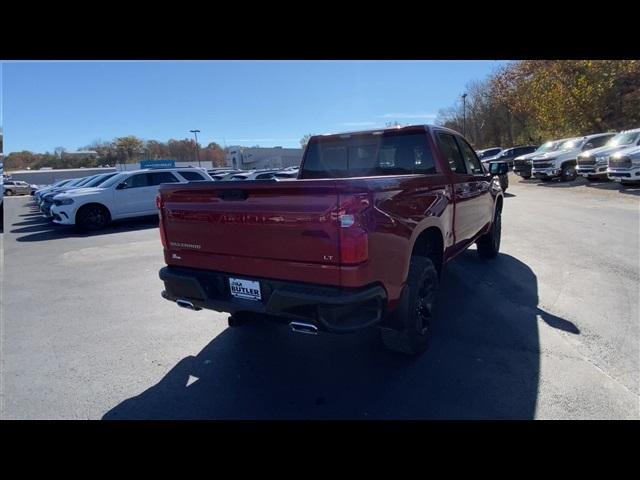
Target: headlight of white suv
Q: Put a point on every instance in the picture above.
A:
(64, 201)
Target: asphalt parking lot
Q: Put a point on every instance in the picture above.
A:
(548, 330)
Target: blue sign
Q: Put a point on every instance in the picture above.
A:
(157, 163)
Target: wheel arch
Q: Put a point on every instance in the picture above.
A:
(430, 243)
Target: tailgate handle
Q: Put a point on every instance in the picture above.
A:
(233, 195)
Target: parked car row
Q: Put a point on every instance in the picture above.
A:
(92, 202)
(599, 156)
(227, 174)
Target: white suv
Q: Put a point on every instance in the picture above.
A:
(126, 195)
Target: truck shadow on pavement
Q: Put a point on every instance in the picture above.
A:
(483, 363)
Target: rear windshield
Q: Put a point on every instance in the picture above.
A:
(367, 155)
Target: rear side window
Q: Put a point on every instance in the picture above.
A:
(451, 153)
(161, 177)
(368, 155)
(192, 176)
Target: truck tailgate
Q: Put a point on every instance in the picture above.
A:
(282, 221)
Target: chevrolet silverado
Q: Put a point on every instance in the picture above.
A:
(359, 239)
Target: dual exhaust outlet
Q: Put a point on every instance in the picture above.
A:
(298, 327)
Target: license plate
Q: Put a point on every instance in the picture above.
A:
(247, 289)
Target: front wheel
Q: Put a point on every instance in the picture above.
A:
(93, 217)
(568, 173)
(8, 193)
(416, 309)
(489, 243)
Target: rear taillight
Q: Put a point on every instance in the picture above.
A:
(354, 240)
(163, 236)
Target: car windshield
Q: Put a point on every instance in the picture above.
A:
(61, 183)
(100, 179)
(74, 182)
(548, 147)
(84, 181)
(114, 180)
(571, 144)
(624, 138)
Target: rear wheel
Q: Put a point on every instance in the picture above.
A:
(489, 243)
(8, 193)
(93, 217)
(568, 173)
(414, 316)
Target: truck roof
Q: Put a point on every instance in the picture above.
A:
(412, 128)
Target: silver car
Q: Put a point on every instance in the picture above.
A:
(17, 187)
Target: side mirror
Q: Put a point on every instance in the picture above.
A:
(498, 168)
(121, 186)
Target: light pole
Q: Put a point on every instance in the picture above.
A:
(464, 114)
(196, 132)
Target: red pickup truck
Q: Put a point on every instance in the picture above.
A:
(359, 239)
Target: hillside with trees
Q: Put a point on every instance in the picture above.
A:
(533, 101)
(129, 149)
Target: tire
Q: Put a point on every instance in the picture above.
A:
(568, 173)
(415, 314)
(526, 177)
(8, 193)
(489, 243)
(93, 217)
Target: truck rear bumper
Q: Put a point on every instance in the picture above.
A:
(331, 309)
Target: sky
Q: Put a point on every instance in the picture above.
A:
(266, 103)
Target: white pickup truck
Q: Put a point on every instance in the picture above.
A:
(624, 166)
(562, 162)
(592, 164)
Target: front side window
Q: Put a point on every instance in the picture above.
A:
(137, 181)
(600, 141)
(471, 161)
(451, 153)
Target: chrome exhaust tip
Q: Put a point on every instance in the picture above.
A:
(187, 304)
(300, 327)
